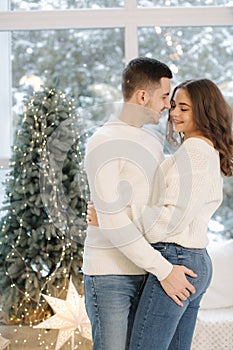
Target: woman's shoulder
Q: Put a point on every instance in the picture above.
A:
(197, 154)
(199, 144)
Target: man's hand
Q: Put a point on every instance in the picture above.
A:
(176, 284)
(91, 216)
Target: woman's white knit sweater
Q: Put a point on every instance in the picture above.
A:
(187, 191)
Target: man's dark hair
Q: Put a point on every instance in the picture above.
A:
(143, 73)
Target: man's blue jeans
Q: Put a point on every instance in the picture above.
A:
(111, 302)
(159, 322)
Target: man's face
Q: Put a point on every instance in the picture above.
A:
(159, 98)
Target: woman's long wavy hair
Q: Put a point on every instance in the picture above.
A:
(213, 117)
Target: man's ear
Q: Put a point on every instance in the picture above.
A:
(142, 97)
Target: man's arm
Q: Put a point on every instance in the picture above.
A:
(176, 284)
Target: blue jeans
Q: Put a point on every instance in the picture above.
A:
(160, 324)
(111, 303)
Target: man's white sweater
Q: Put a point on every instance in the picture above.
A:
(121, 162)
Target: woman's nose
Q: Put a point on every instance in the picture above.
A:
(172, 112)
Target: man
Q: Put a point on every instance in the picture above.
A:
(121, 161)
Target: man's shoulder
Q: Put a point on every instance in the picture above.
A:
(110, 130)
(104, 132)
(102, 135)
(116, 130)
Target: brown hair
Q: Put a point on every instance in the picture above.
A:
(213, 117)
(143, 73)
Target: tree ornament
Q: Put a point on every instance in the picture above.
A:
(70, 314)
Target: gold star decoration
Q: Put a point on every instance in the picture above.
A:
(70, 314)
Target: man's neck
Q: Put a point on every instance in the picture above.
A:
(135, 115)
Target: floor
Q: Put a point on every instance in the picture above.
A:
(27, 338)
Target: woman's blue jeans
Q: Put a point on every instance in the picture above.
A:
(160, 324)
(111, 303)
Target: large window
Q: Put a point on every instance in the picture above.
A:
(184, 3)
(63, 4)
(84, 45)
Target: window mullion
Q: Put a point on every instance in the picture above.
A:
(131, 42)
(103, 18)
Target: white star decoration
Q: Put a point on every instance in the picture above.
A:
(70, 315)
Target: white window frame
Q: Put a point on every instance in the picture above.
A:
(129, 17)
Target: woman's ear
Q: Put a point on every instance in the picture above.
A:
(142, 97)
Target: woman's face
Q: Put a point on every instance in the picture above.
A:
(182, 114)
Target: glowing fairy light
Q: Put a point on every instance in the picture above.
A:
(24, 313)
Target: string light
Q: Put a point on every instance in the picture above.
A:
(31, 310)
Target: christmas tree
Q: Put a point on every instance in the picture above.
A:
(43, 225)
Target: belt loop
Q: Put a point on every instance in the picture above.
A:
(178, 247)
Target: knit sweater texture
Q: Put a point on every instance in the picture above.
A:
(187, 192)
(139, 203)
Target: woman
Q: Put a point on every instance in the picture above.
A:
(177, 224)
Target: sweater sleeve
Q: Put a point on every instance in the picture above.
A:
(110, 197)
(183, 182)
